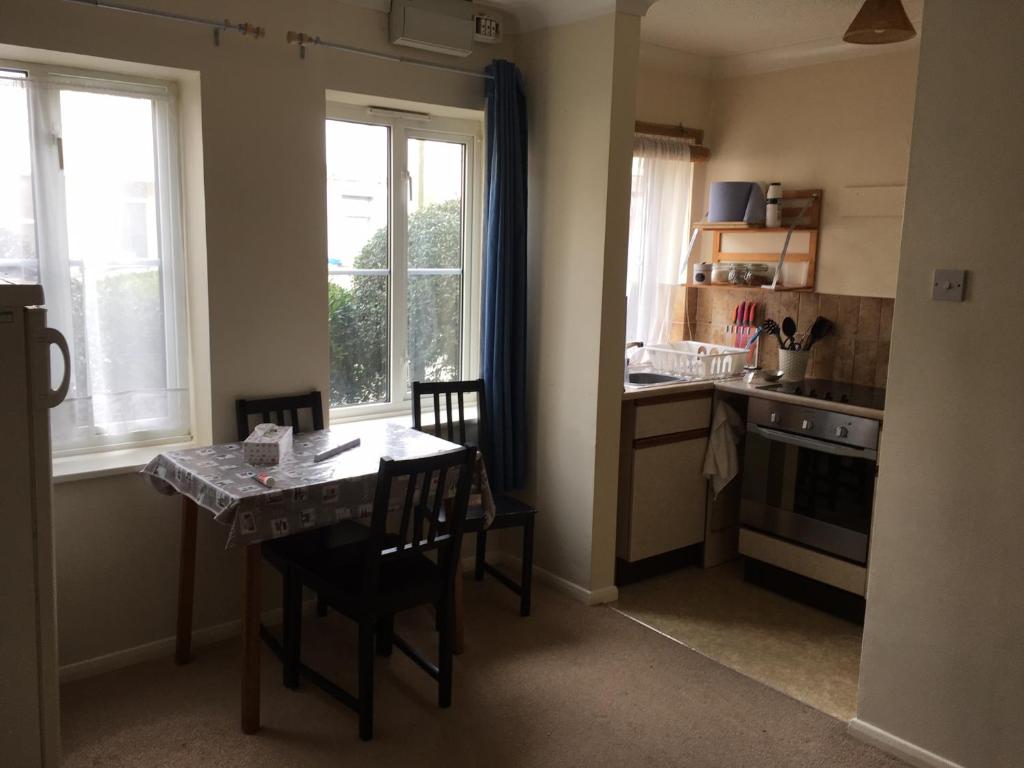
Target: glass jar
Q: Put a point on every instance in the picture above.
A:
(759, 274)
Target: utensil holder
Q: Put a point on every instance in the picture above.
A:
(793, 364)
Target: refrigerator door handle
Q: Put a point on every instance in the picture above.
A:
(55, 397)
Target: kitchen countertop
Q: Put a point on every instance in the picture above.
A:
(639, 393)
(738, 386)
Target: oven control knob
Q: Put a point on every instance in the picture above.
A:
(842, 432)
(774, 418)
(807, 425)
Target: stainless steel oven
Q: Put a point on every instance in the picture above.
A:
(809, 477)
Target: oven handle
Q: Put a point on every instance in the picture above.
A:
(812, 444)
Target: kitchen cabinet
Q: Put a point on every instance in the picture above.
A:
(662, 490)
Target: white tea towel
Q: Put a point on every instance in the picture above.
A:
(721, 460)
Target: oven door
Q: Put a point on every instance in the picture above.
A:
(811, 492)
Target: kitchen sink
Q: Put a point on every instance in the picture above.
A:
(648, 379)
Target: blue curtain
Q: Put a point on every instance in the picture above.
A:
(503, 339)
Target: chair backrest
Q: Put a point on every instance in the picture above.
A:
(426, 519)
(450, 424)
(281, 410)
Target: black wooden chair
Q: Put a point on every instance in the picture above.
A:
(389, 573)
(451, 424)
(283, 410)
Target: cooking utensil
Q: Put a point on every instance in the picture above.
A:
(789, 329)
(820, 328)
(769, 327)
(741, 313)
(772, 376)
(772, 329)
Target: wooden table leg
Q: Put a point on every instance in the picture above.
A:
(251, 640)
(459, 639)
(186, 581)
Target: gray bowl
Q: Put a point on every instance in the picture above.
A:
(772, 376)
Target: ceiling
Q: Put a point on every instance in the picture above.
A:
(732, 27)
(713, 28)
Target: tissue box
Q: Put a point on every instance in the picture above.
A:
(268, 444)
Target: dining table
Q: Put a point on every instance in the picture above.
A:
(261, 503)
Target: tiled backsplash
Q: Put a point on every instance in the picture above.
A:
(857, 351)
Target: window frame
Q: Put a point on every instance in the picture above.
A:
(402, 126)
(171, 258)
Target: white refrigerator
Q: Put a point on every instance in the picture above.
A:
(29, 704)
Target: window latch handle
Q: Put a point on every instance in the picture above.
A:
(60, 151)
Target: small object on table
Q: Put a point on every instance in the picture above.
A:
(268, 444)
(330, 453)
(266, 480)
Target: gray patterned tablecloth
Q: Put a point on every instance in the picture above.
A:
(305, 495)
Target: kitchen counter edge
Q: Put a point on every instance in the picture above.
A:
(738, 386)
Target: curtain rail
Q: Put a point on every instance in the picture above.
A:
(301, 39)
(245, 29)
(695, 136)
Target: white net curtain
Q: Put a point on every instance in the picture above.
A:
(90, 208)
(659, 219)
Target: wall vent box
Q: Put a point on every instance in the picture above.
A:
(440, 26)
(487, 29)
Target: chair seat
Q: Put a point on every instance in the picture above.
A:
(301, 546)
(508, 512)
(336, 574)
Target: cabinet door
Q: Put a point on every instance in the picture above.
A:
(667, 500)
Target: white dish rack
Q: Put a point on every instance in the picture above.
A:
(694, 360)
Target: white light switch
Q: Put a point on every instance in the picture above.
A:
(948, 284)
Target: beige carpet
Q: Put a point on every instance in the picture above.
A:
(803, 652)
(570, 686)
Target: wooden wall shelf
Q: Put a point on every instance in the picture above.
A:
(803, 245)
(712, 227)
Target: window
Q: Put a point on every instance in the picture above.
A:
(658, 227)
(401, 245)
(90, 207)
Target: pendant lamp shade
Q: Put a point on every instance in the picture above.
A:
(879, 22)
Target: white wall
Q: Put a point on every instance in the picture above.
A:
(843, 126)
(943, 658)
(580, 110)
(613, 302)
(835, 126)
(263, 178)
(675, 88)
(838, 125)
